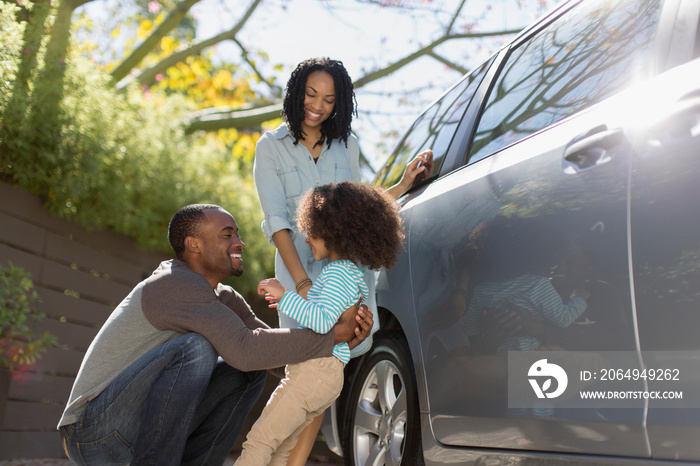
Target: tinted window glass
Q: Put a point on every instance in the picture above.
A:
(432, 130)
(588, 54)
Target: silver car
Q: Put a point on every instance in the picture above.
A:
(567, 164)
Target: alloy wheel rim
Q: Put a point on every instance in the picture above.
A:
(380, 421)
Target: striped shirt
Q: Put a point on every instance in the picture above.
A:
(340, 285)
(530, 292)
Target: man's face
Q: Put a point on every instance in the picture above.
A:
(220, 245)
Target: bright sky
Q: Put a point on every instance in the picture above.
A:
(365, 37)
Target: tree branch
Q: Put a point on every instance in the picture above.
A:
(427, 50)
(454, 17)
(244, 53)
(224, 118)
(148, 76)
(448, 63)
(73, 4)
(173, 19)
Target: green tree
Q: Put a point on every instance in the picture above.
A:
(120, 160)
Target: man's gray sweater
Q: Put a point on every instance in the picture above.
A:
(173, 301)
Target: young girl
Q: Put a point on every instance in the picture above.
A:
(328, 215)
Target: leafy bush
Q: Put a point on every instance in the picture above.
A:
(19, 345)
(121, 160)
(10, 48)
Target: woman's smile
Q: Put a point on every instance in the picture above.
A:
(319, 99)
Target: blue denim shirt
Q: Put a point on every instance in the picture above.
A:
(283, 172)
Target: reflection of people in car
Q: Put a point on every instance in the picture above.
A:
(601, 327)
(510, 273)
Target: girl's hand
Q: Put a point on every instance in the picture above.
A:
(272, 302)
(273, 291)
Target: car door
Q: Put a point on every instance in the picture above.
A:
(665, 232)
(542, 198)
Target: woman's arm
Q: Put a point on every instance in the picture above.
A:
(277, 224)
(270, 188)
(412, 170)
(290, 256)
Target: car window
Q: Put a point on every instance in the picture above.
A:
(583, 57)
(432, 130)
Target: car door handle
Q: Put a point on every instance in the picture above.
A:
(592, 149)
(683, 121)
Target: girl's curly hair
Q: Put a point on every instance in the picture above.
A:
(357, 221)
(337, 127)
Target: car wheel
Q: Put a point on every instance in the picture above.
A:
(383, 425)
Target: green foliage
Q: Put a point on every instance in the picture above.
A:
(10, 49)
(19, 345)
(122, 161)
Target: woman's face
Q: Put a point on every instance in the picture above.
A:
(319, 99)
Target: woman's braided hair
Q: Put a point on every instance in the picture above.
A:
(337, 127)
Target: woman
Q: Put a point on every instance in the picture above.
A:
(313, 147)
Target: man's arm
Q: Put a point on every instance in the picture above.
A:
(184, 302)
(323, 312)
(319, 315)
(354, 324)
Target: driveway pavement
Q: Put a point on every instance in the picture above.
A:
(320, 456)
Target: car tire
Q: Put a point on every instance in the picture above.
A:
(382, 425)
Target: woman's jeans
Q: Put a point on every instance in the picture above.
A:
(177, 404)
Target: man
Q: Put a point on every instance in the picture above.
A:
(151, 388)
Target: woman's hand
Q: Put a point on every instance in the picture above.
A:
(423, 163)
(416, 171)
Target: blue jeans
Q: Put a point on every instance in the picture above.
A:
(177, 404)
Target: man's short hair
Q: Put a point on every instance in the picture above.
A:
(187, 222)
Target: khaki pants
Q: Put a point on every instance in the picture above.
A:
(305, 392)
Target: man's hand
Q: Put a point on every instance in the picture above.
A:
(354, 325)
(365, 320)
(498, 324)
